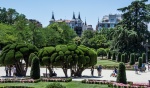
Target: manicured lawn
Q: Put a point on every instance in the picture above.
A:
(68, 85)
(107, 62)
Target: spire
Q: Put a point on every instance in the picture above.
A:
(98, 22)
(73, 16)
(85, 21)
(79, 16)
(53, 15)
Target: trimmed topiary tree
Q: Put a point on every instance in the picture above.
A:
(71, 56)
(119, 57)
(109, 55)
(132, 59)
(101, 51)
(114, 56)
(35, 68)
(140, 62)
(14, 54)
(126, 58)
(143, 57)
(123, 58)
(121, 77)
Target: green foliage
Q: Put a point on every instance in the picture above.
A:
(53, 56)
(134, 27)
(114, 56)
(101, 51)
(121, 76)
(132, 59)
(119, 57)
(24, 50)
(143, 57)
(126, 58)
(70, 55)
(58, 48)
(46, 60)
(72, 47)
(61, 53)
(35, 68)
(67, 52)
(12, 54)
(19, 55)
(123, 58)
(109, 55)
(55, 85)
(9, 58)
(140, 62)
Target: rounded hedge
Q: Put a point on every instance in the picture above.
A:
(55, 85)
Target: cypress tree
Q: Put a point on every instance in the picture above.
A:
(132, 59)
(126, 58)
(140, 62)
(121, 77)
(119, 57)
(114, 56)
(35, 68)
(123, 58)
(109, 55)
(143, 57)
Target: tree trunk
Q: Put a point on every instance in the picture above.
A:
(79, 72)
(65, 72)
(19, 69)
(50, 71)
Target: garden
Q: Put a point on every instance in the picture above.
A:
(24, 44)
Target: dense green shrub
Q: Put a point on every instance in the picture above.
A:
(132, 59)
(123, 58)
(140, 62)
(109, 55)
(143, 57)
(101, 52)
(114, 56)
(119, 57)
(55, 85)
(121, 77)
(35, 68)
(126, 58)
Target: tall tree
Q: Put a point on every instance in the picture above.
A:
(136, 17)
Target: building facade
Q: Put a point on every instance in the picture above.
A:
(109, 21)
(75, 23)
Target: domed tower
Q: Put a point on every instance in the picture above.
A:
(52, 19)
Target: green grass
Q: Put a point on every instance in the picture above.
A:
(107, 62)
(68, 85)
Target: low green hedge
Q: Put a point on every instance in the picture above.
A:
(16, 87)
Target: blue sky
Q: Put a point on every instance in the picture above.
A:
(41, 10)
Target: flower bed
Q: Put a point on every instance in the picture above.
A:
(56, 79)
(13, 80)
(117, 85)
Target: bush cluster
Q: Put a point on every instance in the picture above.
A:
(55, 85)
